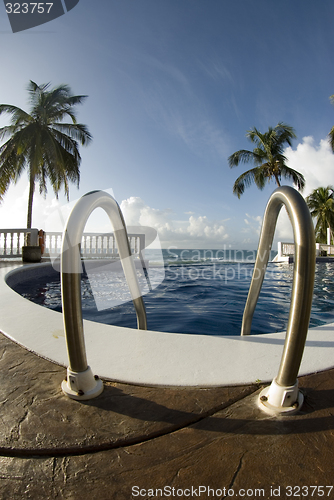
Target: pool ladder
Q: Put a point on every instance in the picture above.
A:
(283, 395)
(80, 383)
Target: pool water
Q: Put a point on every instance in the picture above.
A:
(200, 298)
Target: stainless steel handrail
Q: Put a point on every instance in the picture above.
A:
(303, 277)
(71, 269)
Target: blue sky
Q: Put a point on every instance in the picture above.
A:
(173, 87)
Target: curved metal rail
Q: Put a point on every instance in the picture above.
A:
(71, 269)
(303, 277)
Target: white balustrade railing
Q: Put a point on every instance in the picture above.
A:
(12, 241)
(92, 244)
(288, 249)
(321, 248)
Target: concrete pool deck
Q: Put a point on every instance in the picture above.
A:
(133, 440)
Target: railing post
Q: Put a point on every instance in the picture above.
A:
(283, 395)
(280, 249)
(34, 237)
(142, 245)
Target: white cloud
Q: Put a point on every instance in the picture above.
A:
(284, 230)
(48, 213)
(252, 230)
(315, 162)
(13, 210)
(195, 232)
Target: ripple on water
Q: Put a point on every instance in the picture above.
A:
(204, 300)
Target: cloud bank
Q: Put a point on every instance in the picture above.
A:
(194, 232)
(316, 163)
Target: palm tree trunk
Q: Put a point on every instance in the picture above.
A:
(30, 201)
(277, 180)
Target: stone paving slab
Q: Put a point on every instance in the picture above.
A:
(238, 448)
(37, 418)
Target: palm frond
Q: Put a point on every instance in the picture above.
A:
(18, 115)
(77, 131)
(294, 176)
(284, 133)
(245, 180)
(331, 138)
(242, 156)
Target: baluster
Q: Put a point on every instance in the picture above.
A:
(47, 244)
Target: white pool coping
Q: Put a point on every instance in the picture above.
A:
(155, 358)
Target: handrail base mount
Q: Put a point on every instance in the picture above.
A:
(280, 400)
(82, 385)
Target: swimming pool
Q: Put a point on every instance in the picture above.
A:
(157, 358)
(194, 298)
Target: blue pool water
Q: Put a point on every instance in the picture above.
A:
(203, 294)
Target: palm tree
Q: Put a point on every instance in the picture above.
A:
(268, 158)
(42, 143)
(321, 205)
(331, 133)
